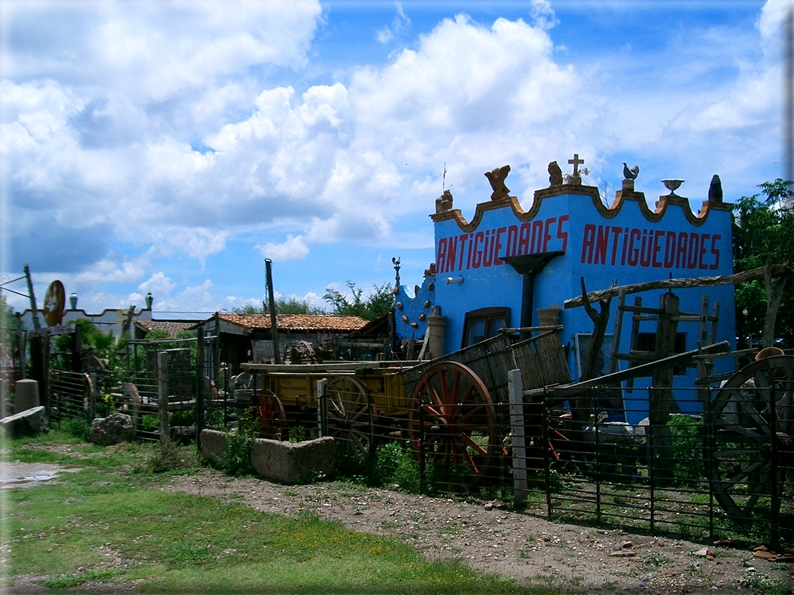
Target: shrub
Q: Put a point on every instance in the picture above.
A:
(169, 456)
(686, 455)
(239, 444)
(79, 428)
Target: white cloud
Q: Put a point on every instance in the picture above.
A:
(158, 284)
(293, 248)
(397, 27)
(109, 271)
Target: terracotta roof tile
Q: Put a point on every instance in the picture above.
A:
(296, 322)
(172, 327)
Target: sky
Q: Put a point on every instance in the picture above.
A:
(170, 147)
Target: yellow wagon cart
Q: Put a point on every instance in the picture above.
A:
(447, 407)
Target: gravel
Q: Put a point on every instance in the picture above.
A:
(490, 537)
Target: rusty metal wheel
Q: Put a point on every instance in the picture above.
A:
(272, 416)
(752, 446)
(457, 421)
(350, 414)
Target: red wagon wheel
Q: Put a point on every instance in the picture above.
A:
(271, 415)
(458, 420)
(752, 415)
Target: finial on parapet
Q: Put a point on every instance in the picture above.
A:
(555, 174)
(715, 189)
(629, 175)
(395, 260)
(575, 179)
(444, 202)
(497, 180)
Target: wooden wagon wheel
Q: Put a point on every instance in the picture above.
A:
(458, 420)
(739, 461)
(271, 415)
(54, 302)
(350, 414)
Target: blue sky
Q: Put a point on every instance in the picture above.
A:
(171, 146)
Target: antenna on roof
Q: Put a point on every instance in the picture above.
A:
(444, 178)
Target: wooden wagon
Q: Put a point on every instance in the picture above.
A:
(447, 407)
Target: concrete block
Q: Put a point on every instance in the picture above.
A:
(31, 421)
(213, 446)
(286, 462)
(26, 395)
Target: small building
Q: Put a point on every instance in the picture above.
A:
(508, 267)
(247, 337)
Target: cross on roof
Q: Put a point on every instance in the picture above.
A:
(576, 162)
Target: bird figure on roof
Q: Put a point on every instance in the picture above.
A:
(497, 180)
(630, 174)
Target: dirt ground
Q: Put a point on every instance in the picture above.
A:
(490, 537)
(523, 545)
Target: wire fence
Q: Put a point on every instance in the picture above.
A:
(707, 462)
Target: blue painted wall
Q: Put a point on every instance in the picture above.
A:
(627, 242)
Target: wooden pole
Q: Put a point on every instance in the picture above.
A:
(202, 385)
(776, 270)
(272, 308)
(162, 394)
(661, 394)
(516, 395)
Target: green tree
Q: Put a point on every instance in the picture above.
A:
(283, 306)
(763, 229)
(370, 307)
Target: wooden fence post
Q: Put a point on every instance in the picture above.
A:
(516, 392)
(321, 425)
(202, 387)
(162, 394)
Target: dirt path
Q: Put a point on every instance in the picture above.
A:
(523, 546)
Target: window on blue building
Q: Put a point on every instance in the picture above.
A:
(482, 324)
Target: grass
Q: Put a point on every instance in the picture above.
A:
(111, 522)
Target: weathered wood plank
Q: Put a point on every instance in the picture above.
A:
(778, 270)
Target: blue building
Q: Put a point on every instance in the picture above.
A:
(505, 264)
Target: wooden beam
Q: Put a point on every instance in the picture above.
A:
(778, 270)
(644, 370)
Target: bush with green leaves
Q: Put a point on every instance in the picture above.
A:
(687, 444)
(79, 427)
(170, 456)
(240, 442)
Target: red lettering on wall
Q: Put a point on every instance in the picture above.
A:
(537, 238)
(463, 243)
(615, 235)
(588, 243)
(487, 253)
(680, 256)
(715, 252)
(476, 261)
(562, 235)
(498, 246)
(634, 253)
(669, 249)
(656, 247)
(546, 234)
(523, 239)
(602, 239)
(512, 240)
(694, 245)
(441, 255)
(702, 253)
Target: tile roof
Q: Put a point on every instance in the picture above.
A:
(172, 327)
(296, 322)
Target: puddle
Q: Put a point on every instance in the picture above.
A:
(27, 475)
